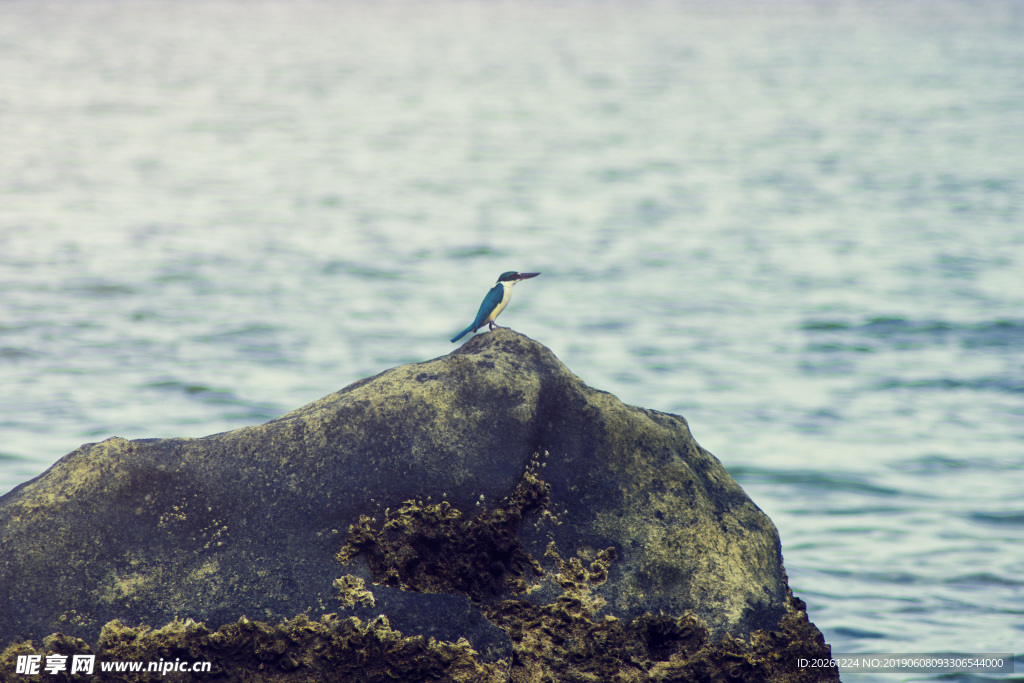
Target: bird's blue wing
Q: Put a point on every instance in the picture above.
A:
(490, 302)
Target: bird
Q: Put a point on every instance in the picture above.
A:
(495, 302)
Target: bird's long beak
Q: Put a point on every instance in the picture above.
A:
(526, 276)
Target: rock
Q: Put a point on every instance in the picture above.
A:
(480, 495)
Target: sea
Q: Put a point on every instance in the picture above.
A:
(797, 223)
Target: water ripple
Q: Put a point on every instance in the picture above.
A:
(812, 480)
(1009, 518)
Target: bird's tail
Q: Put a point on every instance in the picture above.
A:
(462, 334)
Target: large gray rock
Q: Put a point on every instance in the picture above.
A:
(519, 475)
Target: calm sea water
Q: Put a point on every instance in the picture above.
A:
(800, 225)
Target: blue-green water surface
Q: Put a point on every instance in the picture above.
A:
(800, 225)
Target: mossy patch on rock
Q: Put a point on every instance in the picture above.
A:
(562, 642)
(298, 650)
(557, 643)
(440, 549)
(352, 592)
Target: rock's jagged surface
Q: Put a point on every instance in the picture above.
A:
(488, 494)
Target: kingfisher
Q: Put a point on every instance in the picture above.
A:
(495, 302)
